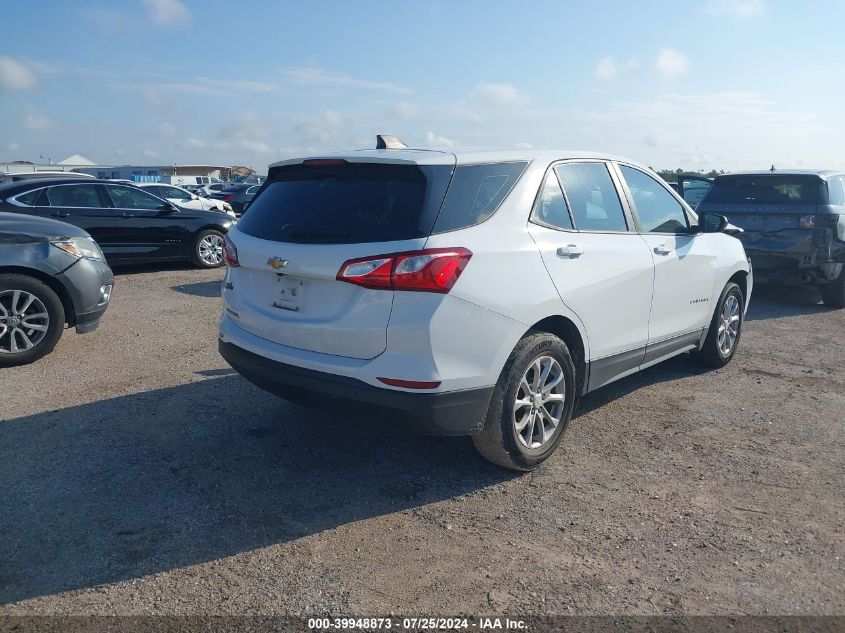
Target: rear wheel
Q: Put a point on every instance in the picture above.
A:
(31, 320)
(833, 294)
(208, 249)
(725, 328)
(531, 405)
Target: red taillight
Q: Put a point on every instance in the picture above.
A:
(411, 384)
(227, 197)
(429, 270)
(230, 253)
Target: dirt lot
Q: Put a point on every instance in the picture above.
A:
(138, 474)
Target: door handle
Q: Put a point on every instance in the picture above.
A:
(662, 249)
(126, 214)
(570, 250)
(60, 214)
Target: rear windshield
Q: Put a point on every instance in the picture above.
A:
(765, 189)
(347, 203)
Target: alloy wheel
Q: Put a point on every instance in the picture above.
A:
(538, 407)
(24, 321)
(729, 321)
(211, 249)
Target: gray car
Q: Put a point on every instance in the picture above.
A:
(52, 275)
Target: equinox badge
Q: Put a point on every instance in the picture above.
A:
(277, 262)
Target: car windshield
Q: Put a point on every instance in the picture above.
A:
(765, 189)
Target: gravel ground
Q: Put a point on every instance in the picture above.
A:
(139, 475)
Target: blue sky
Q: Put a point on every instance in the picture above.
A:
(714, 84)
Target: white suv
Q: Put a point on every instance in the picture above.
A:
(475, 293)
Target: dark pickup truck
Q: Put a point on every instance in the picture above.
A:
(794, 225)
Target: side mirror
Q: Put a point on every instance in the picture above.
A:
(169, 207)
(711, 222)
(194, 196)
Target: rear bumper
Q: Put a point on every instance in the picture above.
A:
(442, 413)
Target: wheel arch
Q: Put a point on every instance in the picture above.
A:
(568, 331)
(52, 283)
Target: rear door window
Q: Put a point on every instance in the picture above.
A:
(338, 202)
(81, 196)
(132, 198)
(592, 196)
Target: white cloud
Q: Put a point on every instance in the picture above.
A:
(195, 143)
(15, 75)
(402, 110)
(499, 94)
(433, 140)
(150, 153)
(319, 127)
(237, 85)
(257, 147)
(523, 146)
(167, 12)
(37, 121)
(13, 147)
(167, 129)
(671, 63)
(609, 69)
(310, 76)
(737, 8)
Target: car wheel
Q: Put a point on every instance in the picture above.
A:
(833, 294)
(531, 405)
(208, 249)
(725, 329)
(31, 320)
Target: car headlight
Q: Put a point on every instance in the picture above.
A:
(82, 247)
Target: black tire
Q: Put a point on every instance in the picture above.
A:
(499, 440)
(196, 256)
(55, 312)
(833, 294)
(711, 354)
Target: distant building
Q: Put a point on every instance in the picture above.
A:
(137, 173)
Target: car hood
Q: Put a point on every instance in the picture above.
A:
(16, 228)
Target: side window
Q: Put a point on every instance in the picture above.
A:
(175, 192)
(592, 197)
(550, 208)
(74, 196)
(131, 198)
(30, 197)
(657, 210)
(476, 191)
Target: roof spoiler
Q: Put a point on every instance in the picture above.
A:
(388, 141)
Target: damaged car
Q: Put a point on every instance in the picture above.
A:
(793, 225)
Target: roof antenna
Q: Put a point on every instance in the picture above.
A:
(388, 141)
(773, 168)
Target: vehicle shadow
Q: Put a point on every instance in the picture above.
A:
(133, 269)
(682, 366)
(125, 487)
(773, 302)
(199, 289)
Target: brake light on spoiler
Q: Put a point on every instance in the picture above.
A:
(428, 270)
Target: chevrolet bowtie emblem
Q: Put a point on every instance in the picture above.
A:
(277, 262)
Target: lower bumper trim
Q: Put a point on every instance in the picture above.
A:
(450, 413)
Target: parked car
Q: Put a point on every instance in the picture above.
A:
(129, 224)
(692, 188)
(40, 175)
(794, 225)
(477, 293)
(238, 195)
(185, 199)
(52, 274)
(181, 181)
(214, 187)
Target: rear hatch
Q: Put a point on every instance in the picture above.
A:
(776, 211)
(308, 220)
